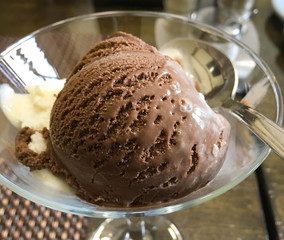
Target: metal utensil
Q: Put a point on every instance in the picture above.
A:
(216, 77)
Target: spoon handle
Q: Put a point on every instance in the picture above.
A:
(268, 131)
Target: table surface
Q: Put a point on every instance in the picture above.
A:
(252, 210)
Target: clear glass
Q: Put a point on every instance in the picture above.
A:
(231, 16)
(234, 15)
(181, 7)
(52, 52)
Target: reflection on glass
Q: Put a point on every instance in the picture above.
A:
(29, 64)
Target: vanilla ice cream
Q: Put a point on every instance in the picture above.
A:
(32, 109)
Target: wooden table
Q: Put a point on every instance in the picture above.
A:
(245, 212)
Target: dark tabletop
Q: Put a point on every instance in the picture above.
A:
(252, 210)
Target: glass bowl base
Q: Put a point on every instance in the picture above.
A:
(146, 228)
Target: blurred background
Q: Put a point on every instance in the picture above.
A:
(252, 210)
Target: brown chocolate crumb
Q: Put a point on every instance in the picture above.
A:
(27, 156)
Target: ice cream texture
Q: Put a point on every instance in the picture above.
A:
(129, 128)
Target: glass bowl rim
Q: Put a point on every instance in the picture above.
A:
(159, 209)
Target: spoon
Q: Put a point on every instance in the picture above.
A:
(215, 76)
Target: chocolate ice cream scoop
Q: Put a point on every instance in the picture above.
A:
(130, 129)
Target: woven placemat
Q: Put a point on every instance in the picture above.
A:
(23, 219)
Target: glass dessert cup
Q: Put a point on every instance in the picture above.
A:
(51, 53)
